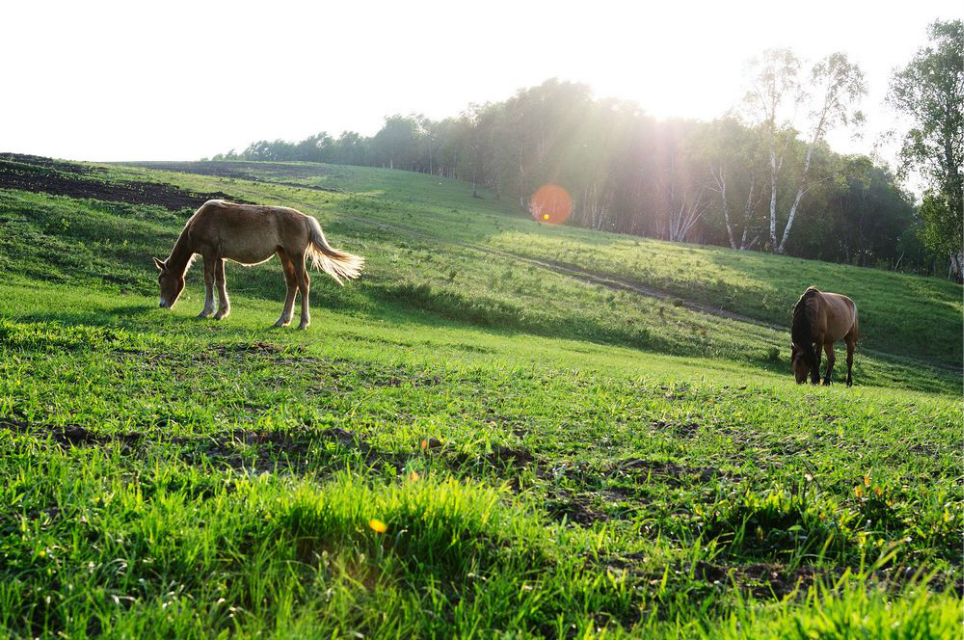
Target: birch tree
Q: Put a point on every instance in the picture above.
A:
(736, 166)
(776, 90)
(834, 88)
(838, 86)
(687, 208)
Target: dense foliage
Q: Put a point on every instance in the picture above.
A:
(628, 172)
(931, 91)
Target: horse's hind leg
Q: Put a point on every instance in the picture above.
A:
(208, 287)
(851, 346)
(291, 281)
(831, 359)
(304, 284)
(224, 304)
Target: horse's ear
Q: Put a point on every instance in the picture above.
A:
(159, 264)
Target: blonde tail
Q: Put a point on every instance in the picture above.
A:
(335, 263)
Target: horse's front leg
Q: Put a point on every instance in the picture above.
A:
(815, 372)
(208, 287)
(831, 359)
(224, 304)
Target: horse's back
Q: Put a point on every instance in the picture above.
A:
(841, 313)
(248, 234)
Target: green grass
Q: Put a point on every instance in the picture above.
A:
(550, 457)
(900, 314)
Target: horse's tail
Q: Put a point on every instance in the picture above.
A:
(801, 332)
(334, 262)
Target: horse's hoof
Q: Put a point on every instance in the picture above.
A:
(303, 325)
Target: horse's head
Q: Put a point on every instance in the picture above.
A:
(171, 284)
(798, 361)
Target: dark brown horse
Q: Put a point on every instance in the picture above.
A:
(252, 234)
(819, 320)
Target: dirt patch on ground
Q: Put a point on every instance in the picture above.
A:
(50, 163)
(517, 457)
(574, 508)
(680, 429)
(500, 457)
(257, 347)
(293, 451)
(763, 579)
(69, 435)
(43, 175)
(667, 471)
(235, 448)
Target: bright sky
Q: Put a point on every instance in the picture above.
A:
(180, 80)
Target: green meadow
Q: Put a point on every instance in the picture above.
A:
(503, 429)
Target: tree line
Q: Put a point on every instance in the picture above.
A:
(761, 178)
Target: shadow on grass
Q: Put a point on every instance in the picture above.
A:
(101, 317)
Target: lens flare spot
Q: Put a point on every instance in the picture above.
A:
(551, 204)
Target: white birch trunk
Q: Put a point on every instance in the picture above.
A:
(802, 189)
(773, 199)
(720, 179)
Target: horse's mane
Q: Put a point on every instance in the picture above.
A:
(800, 330)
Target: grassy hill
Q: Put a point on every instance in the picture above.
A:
(502, 429)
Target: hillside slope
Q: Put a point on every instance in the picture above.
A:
(901, 315)
(487, 435)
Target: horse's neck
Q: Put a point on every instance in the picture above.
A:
(182, 255)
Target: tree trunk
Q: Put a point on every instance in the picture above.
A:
(721, 185)
(801, 190)
(773, 200)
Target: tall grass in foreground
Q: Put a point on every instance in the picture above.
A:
(164, 549)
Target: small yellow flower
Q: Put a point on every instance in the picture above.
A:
(867, 480)
(858, 491)
(378, 526)
(413, 476)
(424, 444)
(878, 491)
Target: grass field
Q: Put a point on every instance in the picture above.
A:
(494, 432)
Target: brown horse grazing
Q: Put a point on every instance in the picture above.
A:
(820, 319)
(252, 234)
